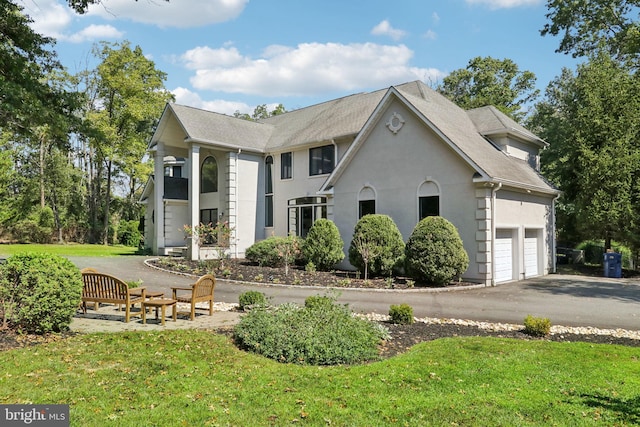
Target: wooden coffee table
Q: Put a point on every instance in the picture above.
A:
(158, 303)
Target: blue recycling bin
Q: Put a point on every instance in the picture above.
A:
(613, 265)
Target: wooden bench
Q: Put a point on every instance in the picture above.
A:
(104, 288)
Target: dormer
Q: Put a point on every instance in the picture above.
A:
(507, 135)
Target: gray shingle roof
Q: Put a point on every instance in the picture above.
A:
(490, 121)
(347, 116)
(214, 128)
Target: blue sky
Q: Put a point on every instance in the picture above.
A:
(228, 55)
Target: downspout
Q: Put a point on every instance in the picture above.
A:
(554, 259)
(235, 229)
(493, 232)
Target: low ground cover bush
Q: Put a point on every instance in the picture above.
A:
(401, 314)
(537, 326)
(323, 245)
(320, 333)
(251, 299)
(434, 252)
(39, 292)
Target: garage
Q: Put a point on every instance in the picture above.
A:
(531, 265)
(503, 256)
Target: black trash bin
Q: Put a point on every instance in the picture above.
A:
(613, 265)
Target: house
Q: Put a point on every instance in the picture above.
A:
(405, 151)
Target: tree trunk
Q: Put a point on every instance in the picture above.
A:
(42, 138)
(107, 202)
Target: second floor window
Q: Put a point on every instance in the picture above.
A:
(209, 176)
(321, 160)
(286, 165)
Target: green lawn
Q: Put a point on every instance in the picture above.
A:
(71, 249)
(195, 378)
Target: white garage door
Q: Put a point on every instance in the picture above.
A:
(531, 257)
(504, 256)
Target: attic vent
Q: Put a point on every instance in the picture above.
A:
(395, 123)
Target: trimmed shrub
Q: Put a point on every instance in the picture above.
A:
(129, 234)
(434, 252)
(317, 334)
(376, 244)
(267, 252)
(252, 299)
(318, 302)
(537, 326)
(401, 314)
(41, 292)
(323, 245)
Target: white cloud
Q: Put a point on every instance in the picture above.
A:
(435, 17)
(307, 69)
(93, 33)
(205, 57)
(50, 18)
(505, 4)
(430, 34)
(175, 13)
(192, 99)
(384, 28)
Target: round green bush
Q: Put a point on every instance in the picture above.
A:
(434, 252)
(378, 235)
(41, 292)
(316, 334)
(401, 314)
(323, 245)
(266, 253)
(251, 299)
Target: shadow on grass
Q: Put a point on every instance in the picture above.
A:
(626, 410)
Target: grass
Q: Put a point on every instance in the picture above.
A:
(70, 249)
(188, 377)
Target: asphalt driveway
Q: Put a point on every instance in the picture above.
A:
(566, 300)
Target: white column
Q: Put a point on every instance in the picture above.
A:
(232, 199)
(194, 197)
(158, 200)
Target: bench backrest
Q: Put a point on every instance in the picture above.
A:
(100, 285)
(204, 286)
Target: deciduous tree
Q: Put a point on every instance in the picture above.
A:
(490, 81)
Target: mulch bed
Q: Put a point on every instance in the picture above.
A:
(242, 270)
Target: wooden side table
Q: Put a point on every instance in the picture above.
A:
(158, 303)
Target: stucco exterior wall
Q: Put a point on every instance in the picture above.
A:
(176, 214)
(394, 166)
(300, 185)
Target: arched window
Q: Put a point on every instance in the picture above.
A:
(209, 176)
(366, 202)
(428, 200)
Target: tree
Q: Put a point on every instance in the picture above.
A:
(27, 96)
(488, 81)
(592, 122)
(588, 25)
(260, 112)
(127, 97)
